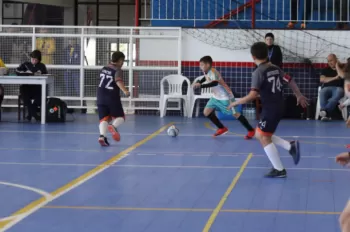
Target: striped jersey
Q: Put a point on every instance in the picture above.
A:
(221, 91)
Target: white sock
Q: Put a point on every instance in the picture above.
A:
(272, 153)
(103, 128)
(281, 142)
(117, 122)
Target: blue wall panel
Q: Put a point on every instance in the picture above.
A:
(198, 13)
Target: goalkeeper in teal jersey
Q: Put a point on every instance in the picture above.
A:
(221, 99)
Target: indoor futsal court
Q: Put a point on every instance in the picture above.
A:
(56, 177)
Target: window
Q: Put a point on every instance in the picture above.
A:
(124, 48)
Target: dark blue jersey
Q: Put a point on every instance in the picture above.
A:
(108, 90)
(269, 80)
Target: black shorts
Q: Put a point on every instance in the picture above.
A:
(113, 109)
(269, 121)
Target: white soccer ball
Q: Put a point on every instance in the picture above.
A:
(173, 131)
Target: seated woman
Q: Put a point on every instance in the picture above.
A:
(32, 92)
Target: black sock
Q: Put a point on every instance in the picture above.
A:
(215, 120)
(245, 123)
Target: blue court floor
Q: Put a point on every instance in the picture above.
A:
(57, 178)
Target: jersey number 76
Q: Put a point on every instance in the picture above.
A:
(106, 77)
(276, 84)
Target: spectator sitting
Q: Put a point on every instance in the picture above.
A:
(32, 92)
(275, 53)
(3, 71)
(332, 88)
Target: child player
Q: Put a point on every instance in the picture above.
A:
(222, 97)
(267, 81)
(109, 106)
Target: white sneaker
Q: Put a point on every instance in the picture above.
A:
(323, 114)
(324, 119)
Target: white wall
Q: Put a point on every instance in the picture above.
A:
(234, 45)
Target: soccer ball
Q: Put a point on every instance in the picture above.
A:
(173, 131)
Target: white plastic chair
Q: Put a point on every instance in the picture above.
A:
(344, 111)
(175, 83)
(206, 93)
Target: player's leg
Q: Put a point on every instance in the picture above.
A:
(344, 219)
(209, 112)
(118, 118)
(293, 147)
(265, 130)
(243, 120)
(104, 116)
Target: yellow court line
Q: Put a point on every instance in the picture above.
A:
(225, 196)
(110, 208)
(35, 205)
(126, 208)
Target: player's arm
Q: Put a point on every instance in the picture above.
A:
(118, 79)
(213, 83)
(253, 94)
(301, 100)
(209, 85)
(199, 83)
(257, 80)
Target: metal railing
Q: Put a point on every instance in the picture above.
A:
(199, 13)
(74, 55)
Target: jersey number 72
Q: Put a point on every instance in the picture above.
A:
(276, 83)
(106, 77)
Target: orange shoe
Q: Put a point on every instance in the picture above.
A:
(114, 132)
(221, 131)
(250, 135)
(103, 141)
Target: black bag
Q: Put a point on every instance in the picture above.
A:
(56, 110)
(291, 110)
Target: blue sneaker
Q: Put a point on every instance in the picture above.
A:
(295, 151)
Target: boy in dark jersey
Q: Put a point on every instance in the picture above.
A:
(267, 81)
(109, 105)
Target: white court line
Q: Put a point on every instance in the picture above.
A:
(162, 134)
(44, 149)
(38, 191)
(20, 217)
(167, 166)
(47, 195)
